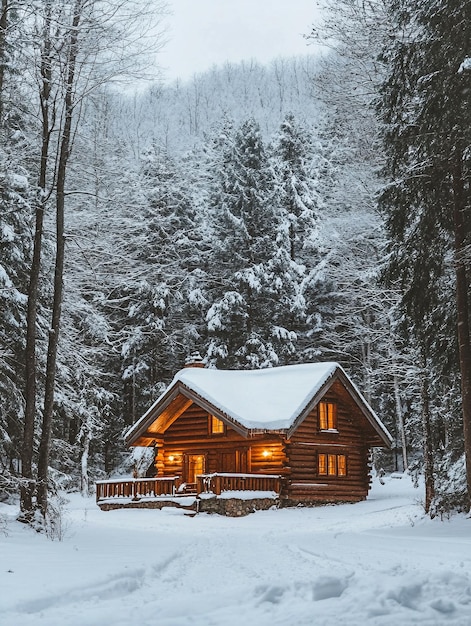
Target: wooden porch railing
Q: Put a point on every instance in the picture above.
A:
(219, 482)
(136, 488)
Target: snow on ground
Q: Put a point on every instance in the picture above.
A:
(379, 562)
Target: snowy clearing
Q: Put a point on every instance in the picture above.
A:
(376, 562)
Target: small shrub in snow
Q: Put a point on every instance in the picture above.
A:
(3, 525)
(9, 487)
(55, 525)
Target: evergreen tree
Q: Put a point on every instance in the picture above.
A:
(296, 193)
(246, 326)
(299, 264)
(425, 106)
(165, 317)
(15, 245)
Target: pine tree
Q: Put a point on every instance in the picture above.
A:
(15, 243)
(425, 106)
(298, 264)
(164, 311)
(296, 193)
(248, 315)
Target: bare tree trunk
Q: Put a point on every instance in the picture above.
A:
(64, 153)
(28, 483)
(427, 440)
(3, 53)
(400, 421)
(366, 354)
(84, 463)
(462, 308)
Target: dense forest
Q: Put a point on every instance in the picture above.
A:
(315, 209)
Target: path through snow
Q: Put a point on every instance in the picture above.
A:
(378, 562)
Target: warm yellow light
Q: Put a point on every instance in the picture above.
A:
(266, 453)
(171, 458)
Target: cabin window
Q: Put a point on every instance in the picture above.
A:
(341, 465)
(327, 416)
(322, 464)
(216, 426)
(332, 464)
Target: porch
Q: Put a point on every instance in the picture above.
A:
(171, 488)
(135, 488)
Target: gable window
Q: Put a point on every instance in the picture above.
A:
(216, 426)
(327, 416)
(331, 464)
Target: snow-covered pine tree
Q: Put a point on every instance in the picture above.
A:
(361, 328)
(299, 265)
(425, 106)
(249, 313)
(15, 244)
(165, 317)
(15, 239)
(297, 196)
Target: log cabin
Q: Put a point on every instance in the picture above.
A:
(302, 431)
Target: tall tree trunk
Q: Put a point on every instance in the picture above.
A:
(460, 227)
(3, 53)
(28, 483)
(64, 153)
(84, 462)
(427, 438)
(366, 357)
(400, 421)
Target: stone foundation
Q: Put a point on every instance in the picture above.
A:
(147, 504)
(236, 507)
(230, 507)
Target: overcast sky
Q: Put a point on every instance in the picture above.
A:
(203, 33)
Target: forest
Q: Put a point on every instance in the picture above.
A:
(316, 209)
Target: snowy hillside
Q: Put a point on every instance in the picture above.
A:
(377, 562)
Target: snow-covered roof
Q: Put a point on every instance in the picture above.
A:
(272, 399)
(269, 399)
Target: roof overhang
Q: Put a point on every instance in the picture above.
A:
(167, 409)
(151, 427)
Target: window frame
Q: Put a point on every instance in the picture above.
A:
(327, 416)
(211, 421)
(332, 465)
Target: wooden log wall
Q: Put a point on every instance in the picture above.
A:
(296, 459)
(268, 457)
(308, 441)
(228, 452)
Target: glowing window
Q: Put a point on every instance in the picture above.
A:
(331, 464)
(327, 416)
(216, 425)
(341, 465)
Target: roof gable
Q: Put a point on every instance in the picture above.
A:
(272, 399)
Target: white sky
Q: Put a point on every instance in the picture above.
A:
(203, 33)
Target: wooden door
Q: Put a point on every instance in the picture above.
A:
(243, 460)
(227, 462)
(233, 462)
(195, 465)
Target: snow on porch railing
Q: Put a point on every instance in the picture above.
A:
(136, 488)
(219, 482)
